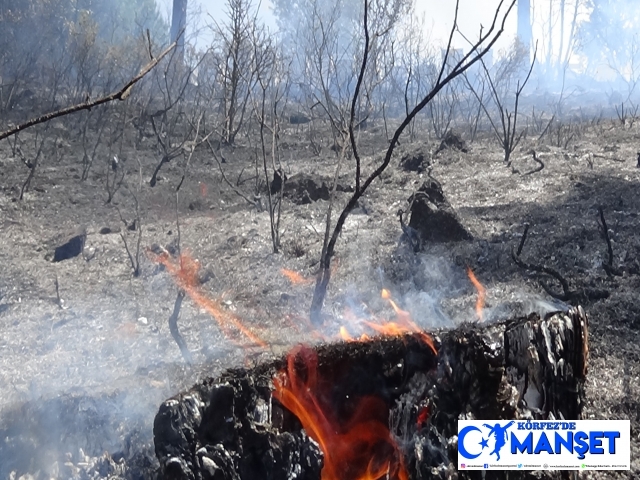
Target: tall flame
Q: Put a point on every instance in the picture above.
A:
(361, 448)
(481, 294)
(401, 325)
(404, 323)
(185, 273)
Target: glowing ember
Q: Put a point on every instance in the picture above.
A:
(423, 416)
(361, 448)
(295, 278)
(481, 294)
(185, 273)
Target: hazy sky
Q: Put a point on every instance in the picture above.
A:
(471, 14)
(438, 16)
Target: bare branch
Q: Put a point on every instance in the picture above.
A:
(356, 93)
(566, 292)
(608, 267)
(173, 328)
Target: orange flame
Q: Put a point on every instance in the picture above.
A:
(185, 273)
(402, 325)
(294, 277)
(345, 334)
(361, 448)
(481, 293)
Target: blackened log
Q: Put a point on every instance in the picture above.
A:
(528, 368)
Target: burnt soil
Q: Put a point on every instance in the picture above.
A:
(86, 376)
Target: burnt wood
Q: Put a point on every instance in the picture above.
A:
(231, 427)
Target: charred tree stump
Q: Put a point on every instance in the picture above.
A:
(233, 427)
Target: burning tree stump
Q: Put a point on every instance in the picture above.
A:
(407, 397)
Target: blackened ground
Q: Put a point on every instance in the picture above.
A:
(111, 339)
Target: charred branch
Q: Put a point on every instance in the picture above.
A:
(608, 267)
(173, 328)
(409, 235)
(133, 252)
(538, 161)
(230, 184)
(567, 294)
(59, 299)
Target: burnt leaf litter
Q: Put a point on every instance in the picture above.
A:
(86, 354)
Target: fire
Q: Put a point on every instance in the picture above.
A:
(295, 278)
(346, 336)
(481, 293)
(361, 448)
(185, 273)
(402, 325)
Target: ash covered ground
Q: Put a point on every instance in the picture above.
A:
(81, 380)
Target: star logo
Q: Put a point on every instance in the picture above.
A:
(484, 443)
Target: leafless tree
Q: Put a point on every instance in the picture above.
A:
(327, 61)
(273, 86)
(93, 126)
(629, 72)
(174, 121)
(447, 73)
(504, 118)
(178, 26)
(236, 73)
(416, 64)
(34, 153)
(133, 227)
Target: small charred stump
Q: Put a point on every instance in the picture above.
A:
(433, 217)
(71, 248)
(452, 140)
(305, 188)
(415, 161)
(232, 427)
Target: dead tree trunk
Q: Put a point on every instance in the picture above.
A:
(233, 427)
(524, 22)
(178, 26)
